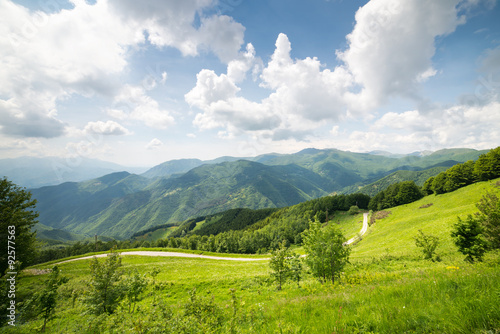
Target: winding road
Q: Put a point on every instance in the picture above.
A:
(201, 256)
(363, 230)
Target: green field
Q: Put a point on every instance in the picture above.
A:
(387, 288)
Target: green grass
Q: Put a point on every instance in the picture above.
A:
(394, 235)
(387, 288)
(350, 225)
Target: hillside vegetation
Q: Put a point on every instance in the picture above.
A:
(121, 204)
(387, 287)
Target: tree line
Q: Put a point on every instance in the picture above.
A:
(487, 167)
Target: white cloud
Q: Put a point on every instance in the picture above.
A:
(222, 35)
(171, 23)
(457, 126)
(238, 67)
(154, 144)
(211, 88)
(389, 54)
(133, 103)
(47, 58)
(109, 128)
(392, 45)
(303, 95)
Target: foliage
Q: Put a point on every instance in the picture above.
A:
(489, 218)
(428, 243)
(397, 194)
(326, 254)
(427, 187)
(296, 270)
(234, 219)
(105, 288)
(134, 285)
(487, 167)
(280, 264)
(468, 238)
(379, 292)
(44, 302)
(17, 218)
(354, 210)
(418, 176)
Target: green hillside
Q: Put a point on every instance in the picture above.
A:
(419, 177)
(388, 287)
(121, 204)
(434, 214)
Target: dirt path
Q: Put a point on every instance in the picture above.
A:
(201, 256)
(363, 229)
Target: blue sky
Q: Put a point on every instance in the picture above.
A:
(139, 83)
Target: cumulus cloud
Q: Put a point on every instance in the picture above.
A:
(133, 103)
(388, 55)
(154, 144)
(303, 94)
(171, 23)
(391, 47)
(109, 128)
(459, 125)
(46, 57)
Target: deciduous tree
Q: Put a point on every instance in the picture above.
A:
(280, 264)
(17, 218)
(326, 253)
(467, 235)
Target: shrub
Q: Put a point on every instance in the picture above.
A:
(468, 238)
(326, 254)
(428, 243)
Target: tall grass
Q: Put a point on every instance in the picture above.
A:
(387, 288)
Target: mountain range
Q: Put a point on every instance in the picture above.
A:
(120, 204)
(35, 172)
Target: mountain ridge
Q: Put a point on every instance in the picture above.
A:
(121, 204)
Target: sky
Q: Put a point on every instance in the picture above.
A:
(142, 82)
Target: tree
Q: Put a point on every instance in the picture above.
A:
(427, 187)
(408, 192)
(353, 210)
(326, 253)
(489, 218)
(17, 218)
(134, 285)
(280, 264)
(438, 184)
(468, 238)
(459, 176)
(44, 302)
(487, 167)
(428, 243)
(296, 268)
(105, 289)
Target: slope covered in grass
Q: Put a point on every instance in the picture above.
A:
(387, 287)
(434, 214)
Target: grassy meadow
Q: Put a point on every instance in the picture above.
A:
(387, 288)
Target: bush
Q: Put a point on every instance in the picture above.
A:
(354, 210)
(428, 243)
(468, 238)
(326, 254)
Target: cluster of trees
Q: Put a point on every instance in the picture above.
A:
(396, 194)
(487, 167)
(286, 224)
(326, 256)
(108, 288)
(479, 233)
